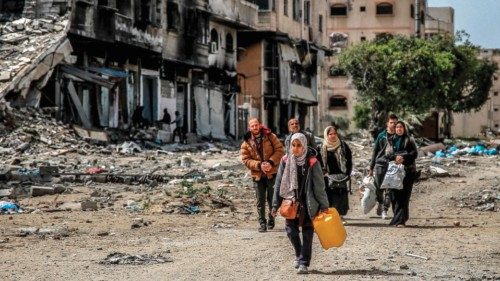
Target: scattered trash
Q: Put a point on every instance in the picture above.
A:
(416, 256)
(7, 207)
(122, 258)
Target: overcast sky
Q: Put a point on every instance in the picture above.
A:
(479, 18)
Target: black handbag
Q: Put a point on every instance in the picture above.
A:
(338, 180)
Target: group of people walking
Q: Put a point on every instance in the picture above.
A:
(319, 177)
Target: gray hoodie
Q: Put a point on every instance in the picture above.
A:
(315, 185)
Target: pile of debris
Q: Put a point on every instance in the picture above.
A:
(28, 131)
(25, 44)
(484, 200)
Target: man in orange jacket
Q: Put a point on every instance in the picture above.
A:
(261, 152)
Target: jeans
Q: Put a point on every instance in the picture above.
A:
(303, 249)
(264, 191)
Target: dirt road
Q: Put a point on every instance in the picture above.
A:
(222, 242)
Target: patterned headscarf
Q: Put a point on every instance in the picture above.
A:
(289, 182)
(334, 147)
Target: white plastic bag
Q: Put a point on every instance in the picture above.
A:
(369, 199)
(394, 176)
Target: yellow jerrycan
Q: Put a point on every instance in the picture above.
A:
(329, 228)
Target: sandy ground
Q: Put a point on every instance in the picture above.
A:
(222, 243)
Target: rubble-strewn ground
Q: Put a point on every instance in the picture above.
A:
(197, 221)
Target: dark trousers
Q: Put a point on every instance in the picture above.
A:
(338, 198)
(179, 131)
(382, 195)
(264, 191)
(303, 249)
(400, 200)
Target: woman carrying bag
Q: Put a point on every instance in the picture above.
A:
(300, 178)
(336, 157)
(405, 152)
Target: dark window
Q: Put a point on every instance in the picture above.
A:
(124, 7)
(320, 23)
(173, 16)
(412, 11)
(338, 10)
(363, 38)
(362, 9)
(496, 125)
(11, 7)
(307, 12)
(422, 17)
(384, 9)
(285, 7)
(229, 43)
(263, 4)
(296, 10)
(495, 77)
(338, 102)
(214, 41)
(102, 2)
(495, 94)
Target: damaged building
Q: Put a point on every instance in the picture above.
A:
(199, 68)
(104, 59)
(281, 63)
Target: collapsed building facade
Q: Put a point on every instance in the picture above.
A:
(110, 56)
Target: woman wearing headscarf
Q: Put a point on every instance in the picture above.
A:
(300, 177)
(405, 152)
(336, 157)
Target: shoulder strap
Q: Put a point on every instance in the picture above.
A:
(312, 161)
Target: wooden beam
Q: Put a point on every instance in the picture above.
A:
(78, 105)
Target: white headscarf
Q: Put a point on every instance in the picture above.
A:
(289, 182)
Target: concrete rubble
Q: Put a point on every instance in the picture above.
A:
(29, 51)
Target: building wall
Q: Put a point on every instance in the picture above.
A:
(223, 58)
(488, 117)
(440, 20)
(249, 66)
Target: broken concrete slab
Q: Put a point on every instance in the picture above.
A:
(41, 191)
(89, 206)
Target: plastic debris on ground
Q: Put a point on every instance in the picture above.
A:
(7, 207)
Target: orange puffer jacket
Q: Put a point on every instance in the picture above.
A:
(273, 152)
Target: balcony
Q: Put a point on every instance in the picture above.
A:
(237, 12)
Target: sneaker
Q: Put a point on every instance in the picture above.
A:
(263, 228)
(380, 208)
(384, 215)
(296, 263)
(270, 224)
(302, 269)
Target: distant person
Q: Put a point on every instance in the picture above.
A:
(300, 178)
(137, 119)
(166, 120)
(261, 153)
(405, 152)
(294, 127)
(382, 147)
(337, 166)
(179, 127)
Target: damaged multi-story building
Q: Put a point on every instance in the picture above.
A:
(112, 56)
(199, 76)
(280, 64)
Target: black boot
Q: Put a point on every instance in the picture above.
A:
(270, 223)
(262, 227)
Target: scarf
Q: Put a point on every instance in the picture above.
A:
(333, 147)
(289, 184)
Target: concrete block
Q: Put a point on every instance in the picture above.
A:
(49, 170)
(41, 190)
(89, 206)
